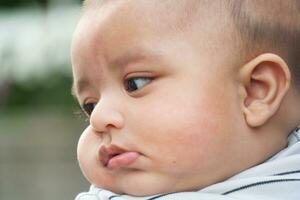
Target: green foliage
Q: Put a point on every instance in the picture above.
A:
(53, 91)
(18, 3)
(21, 3)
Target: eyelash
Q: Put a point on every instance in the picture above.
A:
(88, 108)
(81, 114)
(130, 87)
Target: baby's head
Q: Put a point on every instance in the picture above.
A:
(182, 94)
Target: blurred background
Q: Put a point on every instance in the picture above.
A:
(38, 127)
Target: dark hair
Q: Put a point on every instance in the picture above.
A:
(270, 25)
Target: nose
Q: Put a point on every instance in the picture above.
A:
(105, 116)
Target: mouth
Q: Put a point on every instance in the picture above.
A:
(114, 157)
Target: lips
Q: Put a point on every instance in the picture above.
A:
(114, 157)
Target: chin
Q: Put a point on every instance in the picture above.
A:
(136, 191)
(139, 191)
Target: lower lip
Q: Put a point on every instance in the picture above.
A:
(122, 160)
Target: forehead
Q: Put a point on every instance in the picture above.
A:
(117, 32)
(142, 18)
(122, 19)
(111, 35)
(107, 30)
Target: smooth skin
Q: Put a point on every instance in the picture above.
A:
(174, 98)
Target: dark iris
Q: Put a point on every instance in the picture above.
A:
(136, 83)
(88, 108)
(131, 85)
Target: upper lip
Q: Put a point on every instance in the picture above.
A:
(106, 153)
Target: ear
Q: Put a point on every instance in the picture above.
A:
(264, 82)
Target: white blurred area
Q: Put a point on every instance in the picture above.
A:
(35, 42)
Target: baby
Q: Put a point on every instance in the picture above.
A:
(189, 99)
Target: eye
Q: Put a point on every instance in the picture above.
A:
(88, 108)
(136, 83)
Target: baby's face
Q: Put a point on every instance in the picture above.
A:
(164, 113)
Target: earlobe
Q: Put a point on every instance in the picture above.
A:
(264, 82)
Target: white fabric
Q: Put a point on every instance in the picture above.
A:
(276, 179)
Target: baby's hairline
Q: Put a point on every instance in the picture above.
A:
(250, 28)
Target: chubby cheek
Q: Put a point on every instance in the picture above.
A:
(185, 146)
(84, 153)
(88, 145)
(187, 131)
(180, 134)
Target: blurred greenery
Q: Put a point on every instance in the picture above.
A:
(54, 90)
(20, 3)
(38, 129)
(38, 138)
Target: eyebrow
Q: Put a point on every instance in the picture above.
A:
(134, 56)
(125, 59)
